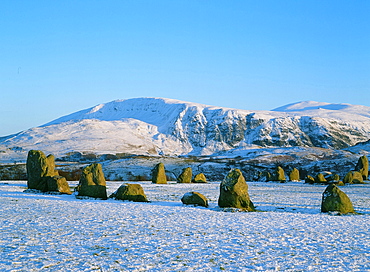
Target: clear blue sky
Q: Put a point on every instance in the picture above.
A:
(58, 57)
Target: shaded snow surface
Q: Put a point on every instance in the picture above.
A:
(61, 233)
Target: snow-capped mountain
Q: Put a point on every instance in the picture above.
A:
(158, 126)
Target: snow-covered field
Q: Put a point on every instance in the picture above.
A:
(61, 233)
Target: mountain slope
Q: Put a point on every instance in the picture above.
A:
(161, 126)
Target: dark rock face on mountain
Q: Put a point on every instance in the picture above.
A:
(334, 200)
(130, 192)
(234, 192)
(92, 182)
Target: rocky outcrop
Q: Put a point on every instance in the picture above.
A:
(200, 178)
(130, 192)
(92, 182)
(234, 192)
(334, 200)
(159, 174)
(362, 166)
(194, 198)
(185, 176)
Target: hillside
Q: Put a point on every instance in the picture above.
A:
(158, 126)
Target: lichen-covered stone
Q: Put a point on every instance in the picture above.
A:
(57, 184)
(39, 166)
(131, 192)
(279, 174)
(194, 198)
(234, 192)
(309, 179)
(200, 178)
(320, 178)
(185, 176)
(159, 174)
(334, 200)
(92, 182)
(362, 166)
(294, 175)
(357, 178)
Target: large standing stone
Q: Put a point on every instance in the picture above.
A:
(39, 166)
(334, 200)
(159, 174)
(362, 166)
(185, 176)
(234, 192)
(194, 198)
(200, 178)
(131, 192)
(294, 175)
(92, 182)
(279, 174)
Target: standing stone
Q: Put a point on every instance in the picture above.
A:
(92, 182)
(234, 192)
(159, 174)
(294, 175)
(309, 179)
(362, 166)
(357, 178)
(320, 178)
(185, 176)
(131, 192)
(334, 200)
(194, 198)
(280, 174)
(57, 184)
(39, 166)
(200, 178)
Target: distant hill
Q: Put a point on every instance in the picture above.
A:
(159, 126)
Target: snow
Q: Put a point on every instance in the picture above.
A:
(41, 232)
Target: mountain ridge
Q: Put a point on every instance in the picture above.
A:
(161, 126)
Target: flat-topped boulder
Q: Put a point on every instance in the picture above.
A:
(194, 198)
(130, 192)
(234, 192)
(92, 182)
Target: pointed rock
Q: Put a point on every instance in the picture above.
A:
(234, 192)
(294, 175)
(334, 200)
(159, 174)
(200, 178)
(362, 166)
(280, 174)
(185, 176)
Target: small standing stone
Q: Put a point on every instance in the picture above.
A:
(294, 175)
(92, 182)
(131, 192)
(185, 176)
(200, 178)
(194, 198)
(362, 166)
(159, 174)
(334, 200)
